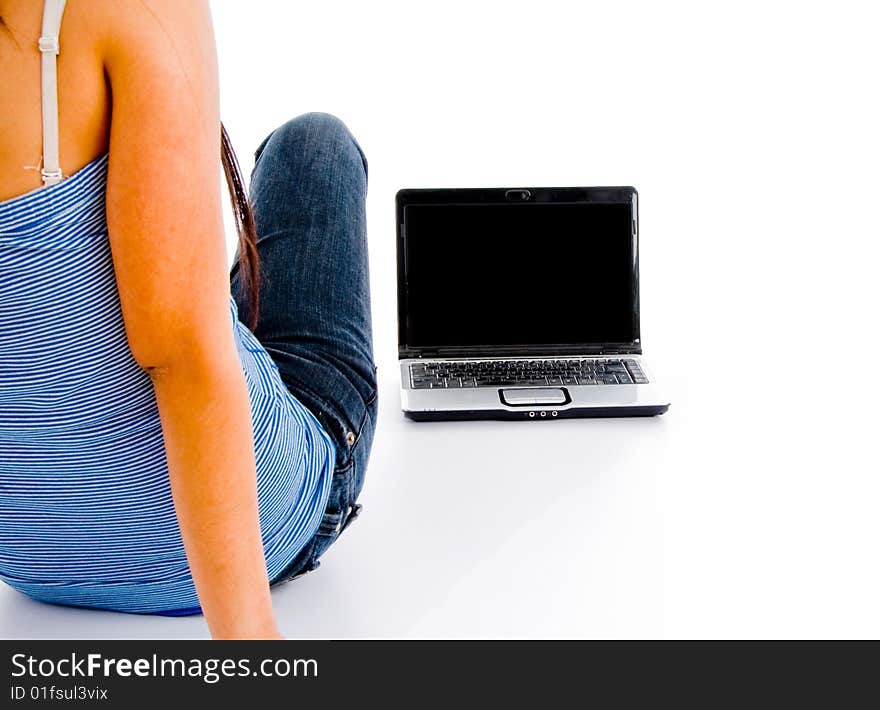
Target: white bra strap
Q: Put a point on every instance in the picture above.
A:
(52, 12)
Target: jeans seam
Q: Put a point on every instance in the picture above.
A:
(258, 153)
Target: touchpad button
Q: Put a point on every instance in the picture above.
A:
(532, 395)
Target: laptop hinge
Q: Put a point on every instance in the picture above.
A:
(500, 352)
(405, 353)
(622, 350)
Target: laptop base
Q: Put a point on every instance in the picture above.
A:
(537, 415)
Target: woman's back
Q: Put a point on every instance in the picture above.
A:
(84, 97)
(86, 512)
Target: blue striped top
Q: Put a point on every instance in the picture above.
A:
(86, 515)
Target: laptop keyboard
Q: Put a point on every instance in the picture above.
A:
(492, 373)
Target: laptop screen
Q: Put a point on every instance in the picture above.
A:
(519, 274)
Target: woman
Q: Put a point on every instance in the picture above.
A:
(156, 454)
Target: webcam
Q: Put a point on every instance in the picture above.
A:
(518, 195)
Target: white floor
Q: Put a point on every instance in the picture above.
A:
(720, 519)
(750, 509)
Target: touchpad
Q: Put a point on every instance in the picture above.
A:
(533, 395)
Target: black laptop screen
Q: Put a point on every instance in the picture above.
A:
(521, 274)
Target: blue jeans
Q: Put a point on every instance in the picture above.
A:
(308, 190)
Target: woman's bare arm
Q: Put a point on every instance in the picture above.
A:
(166, 234)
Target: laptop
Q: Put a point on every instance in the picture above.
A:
(521, 303)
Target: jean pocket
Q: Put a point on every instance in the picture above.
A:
(353, 512)
(360, 453)
(331, 523)
(341, 511)
(341, 508)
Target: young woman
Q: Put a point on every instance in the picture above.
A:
(170, 442)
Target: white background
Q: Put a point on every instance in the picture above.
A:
(750, 130)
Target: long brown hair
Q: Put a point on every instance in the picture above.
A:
(249, 259)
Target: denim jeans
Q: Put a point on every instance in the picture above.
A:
(308, 191)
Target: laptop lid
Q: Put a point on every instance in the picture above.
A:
(522, 271)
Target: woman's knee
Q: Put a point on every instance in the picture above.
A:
(320, 139)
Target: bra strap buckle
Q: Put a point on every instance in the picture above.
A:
(49, 44)
(51, 176)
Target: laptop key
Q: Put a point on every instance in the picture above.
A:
(534, 373)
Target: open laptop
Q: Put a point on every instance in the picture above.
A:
(521, 303)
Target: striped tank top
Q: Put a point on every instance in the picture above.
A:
(86, 514)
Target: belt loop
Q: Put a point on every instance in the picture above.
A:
(353, 512)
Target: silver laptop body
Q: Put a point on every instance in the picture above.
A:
(521, 303)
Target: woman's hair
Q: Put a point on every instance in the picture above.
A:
(248, 258)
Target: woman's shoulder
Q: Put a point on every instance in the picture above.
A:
(99, 40)
(158, 27)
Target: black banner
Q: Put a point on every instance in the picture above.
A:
(620, 673)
